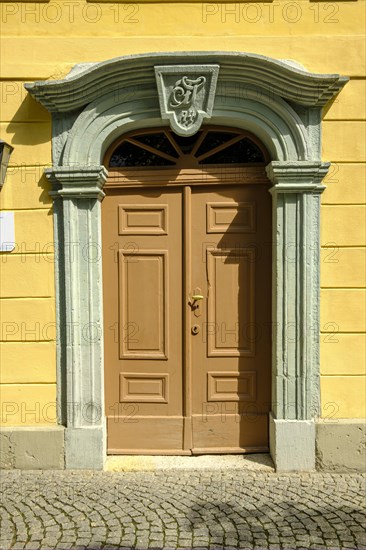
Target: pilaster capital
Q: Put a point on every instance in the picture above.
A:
(77, 182)
(297, 176)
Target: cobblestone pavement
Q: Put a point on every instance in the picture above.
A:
(190, 509)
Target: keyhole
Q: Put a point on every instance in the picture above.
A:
(195, 329)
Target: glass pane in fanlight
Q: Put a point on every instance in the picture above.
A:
(159, 141)
(241, 152)
(129, 155)
(213, 140)
(186, 144)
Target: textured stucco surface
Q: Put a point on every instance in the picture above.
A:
(341, 445)
(32, 448)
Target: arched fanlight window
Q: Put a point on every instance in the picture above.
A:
(162, 148)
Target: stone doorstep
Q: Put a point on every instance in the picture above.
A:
(250, 462)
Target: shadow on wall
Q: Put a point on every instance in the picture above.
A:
(29, 126)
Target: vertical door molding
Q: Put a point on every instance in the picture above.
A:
(295, 299)
(78, 193)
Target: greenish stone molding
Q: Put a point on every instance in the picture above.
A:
(280, 103)
(273, 120)
(296, 176)
(296, 249)
(80, 312)
(89, 81)
(83, 182)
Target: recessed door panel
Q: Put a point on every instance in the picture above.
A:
(231, 386)
(143, 304)
(144, 388)
(230, 305)
(139, 219)
(230, 218)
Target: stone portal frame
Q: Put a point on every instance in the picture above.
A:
(279, 102)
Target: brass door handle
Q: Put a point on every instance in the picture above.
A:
(194, 301)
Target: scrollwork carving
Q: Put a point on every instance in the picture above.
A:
(183, 99)
(187, 100)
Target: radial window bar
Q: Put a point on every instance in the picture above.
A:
(130, 154)
(160, 142)
(159, 148)
(236, 151)
(213, 140)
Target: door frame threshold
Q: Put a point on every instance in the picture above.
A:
(257, 462)
(146, 452)
(233, 451)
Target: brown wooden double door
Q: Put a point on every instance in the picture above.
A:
(187, 309)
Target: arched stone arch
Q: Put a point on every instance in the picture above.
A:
(281, 104)
(273, 120)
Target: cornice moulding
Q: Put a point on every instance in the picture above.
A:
(293, 176)
(87, 82)
(81, 182)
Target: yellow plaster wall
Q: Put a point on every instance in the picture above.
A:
(44, 40)
(343, 257)
(27, 294)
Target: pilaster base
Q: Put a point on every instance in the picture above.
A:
(85, 448)
(292, 444)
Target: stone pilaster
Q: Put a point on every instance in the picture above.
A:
(295, 352)
(80, 284)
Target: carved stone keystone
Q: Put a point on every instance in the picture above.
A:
(186, 95)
